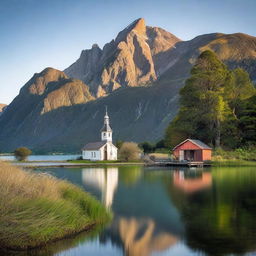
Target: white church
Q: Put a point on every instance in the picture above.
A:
(103, 150)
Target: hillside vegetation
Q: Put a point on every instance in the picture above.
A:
(38, 208)
(217, 106)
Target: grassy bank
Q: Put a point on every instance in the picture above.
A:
(233, 163)
(238, 157)
(38, 208)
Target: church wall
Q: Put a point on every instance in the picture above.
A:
(113, 150)
(93, 155)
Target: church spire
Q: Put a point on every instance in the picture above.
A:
(106, 131)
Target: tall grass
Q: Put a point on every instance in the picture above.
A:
(240, 156)
(38, 208)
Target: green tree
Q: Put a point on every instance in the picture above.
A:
(147, 147)
(202, 106)
(247, 121)
(239, 87)
(22, 153)
(160, 144)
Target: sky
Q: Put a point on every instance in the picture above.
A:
(35, 34)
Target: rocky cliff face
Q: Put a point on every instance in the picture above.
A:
(45, 92)
(132, 59)
(54, 112)
(55, 89)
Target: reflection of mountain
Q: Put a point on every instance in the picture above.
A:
(145, 221)
(140, 237)
(105, 180)
(191, 184)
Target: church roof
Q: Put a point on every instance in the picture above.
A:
(94, 145)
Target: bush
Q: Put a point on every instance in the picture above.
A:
(248, 154)
(129, 151)
(147, 147)
(22, 153)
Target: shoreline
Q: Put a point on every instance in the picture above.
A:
(67, 164)
(88, 228)
(49, 164)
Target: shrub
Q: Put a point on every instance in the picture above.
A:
(129, 151)
(22, 153)
(147, 147)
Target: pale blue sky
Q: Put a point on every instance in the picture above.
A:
(39, 33)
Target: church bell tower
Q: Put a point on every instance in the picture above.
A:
(106, 131)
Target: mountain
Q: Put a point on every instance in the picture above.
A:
(134, 58)
(140, 74)
(2, 108)
(235, 50)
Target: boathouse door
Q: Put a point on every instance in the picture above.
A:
(189, 155)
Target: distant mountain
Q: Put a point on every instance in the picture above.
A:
(140, 74)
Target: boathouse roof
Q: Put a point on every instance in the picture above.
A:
(198, 143)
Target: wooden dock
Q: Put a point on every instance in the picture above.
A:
(169, 162)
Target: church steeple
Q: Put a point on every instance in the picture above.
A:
(106, 131)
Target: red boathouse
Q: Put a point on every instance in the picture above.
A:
(193, 151)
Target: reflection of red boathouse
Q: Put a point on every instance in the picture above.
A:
(191, 184)
(193, 151)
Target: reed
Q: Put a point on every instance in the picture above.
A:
(38, 208)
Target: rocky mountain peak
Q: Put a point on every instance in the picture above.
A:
(37, 84)
(138, 27)
(132, 59)
(2, 107)
(95, 46)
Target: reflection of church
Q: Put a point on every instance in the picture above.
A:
(105, 180)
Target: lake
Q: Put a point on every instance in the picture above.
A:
(42, 157)
(163, 211)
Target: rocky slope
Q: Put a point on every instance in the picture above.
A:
(134, 58)
(56, 113)
(2, 108)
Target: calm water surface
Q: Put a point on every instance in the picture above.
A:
(42, 157)
(166, 212)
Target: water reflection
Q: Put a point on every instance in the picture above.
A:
(141, 236)
(105, 180)
(166, 212)
(192, 181)
(220, 220)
